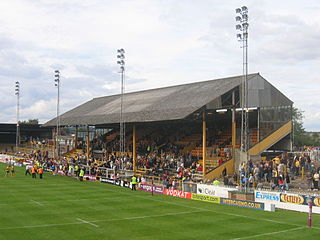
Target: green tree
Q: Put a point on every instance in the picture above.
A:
(299, 133)
(30, 122)
(300, 138)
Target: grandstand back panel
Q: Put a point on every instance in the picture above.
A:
(58, 207)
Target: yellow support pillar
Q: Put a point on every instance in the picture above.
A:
(204, 146)
(234, 135)
(88, 144)
(134, 150)
(76, 138)
(233, 127)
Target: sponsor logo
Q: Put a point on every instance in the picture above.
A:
(295, 199)
(90, 177)
(205, 198)
(176, 193)
(241, 203)
(106, 180)
(213, 190)
(316, 201)
(267, 196)
(149, 188)
(207, 191)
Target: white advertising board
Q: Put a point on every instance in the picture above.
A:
(211, 190)
(269, 197)
(266, 196)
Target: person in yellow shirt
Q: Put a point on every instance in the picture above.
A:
(276, 160)
(13, 173)
(8, 170)
(133, 183)
(297, 165)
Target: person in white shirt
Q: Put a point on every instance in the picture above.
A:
(28, 167)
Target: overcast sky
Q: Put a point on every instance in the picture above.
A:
(167, 42)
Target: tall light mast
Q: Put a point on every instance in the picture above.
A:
(121, 62)
(17, 93)
(57, 84)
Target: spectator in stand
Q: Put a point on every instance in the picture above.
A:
(251, 180)
(216, 182)
(309, 180)
(308, 163)
(280, 183)
(297, 167)
(316, 181)
(256, 173)
(199, 167)
(287, 182)
(302, 162)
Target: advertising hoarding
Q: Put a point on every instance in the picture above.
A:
(266, 196)
(205, 198)
(177, 193)
(149, 187)
(242, 203)
(211, 190)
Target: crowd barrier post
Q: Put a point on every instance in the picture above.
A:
(310, 213)
(152, 186)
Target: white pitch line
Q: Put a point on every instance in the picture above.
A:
(33, 201)
(66, 200)
(202, 209)
(153, 198)
(147, 216)
(95, 221)
(92, 224)
(270, 233)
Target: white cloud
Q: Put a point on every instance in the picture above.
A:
(166, 42)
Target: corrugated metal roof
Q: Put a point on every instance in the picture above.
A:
(169, 103)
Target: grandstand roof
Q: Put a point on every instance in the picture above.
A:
(168, 103)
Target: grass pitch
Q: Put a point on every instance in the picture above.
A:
(62, 208)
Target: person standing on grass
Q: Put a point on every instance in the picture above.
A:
(28, 170)
(76, 170)
(40, 171)
(13, 173)
(134, 182)
(8, 170)
(81, 174)
(34, 172)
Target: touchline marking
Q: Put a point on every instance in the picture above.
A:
(270, 233)
(33, 201)
(81, 221)
(92, 224)
(66, 200)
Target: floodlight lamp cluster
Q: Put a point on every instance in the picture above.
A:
(121, 58)
(242, 23)
(57, 77)
(17, 89)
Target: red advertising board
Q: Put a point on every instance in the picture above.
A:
(177, 193)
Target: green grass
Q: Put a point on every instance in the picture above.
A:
(62, 208)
